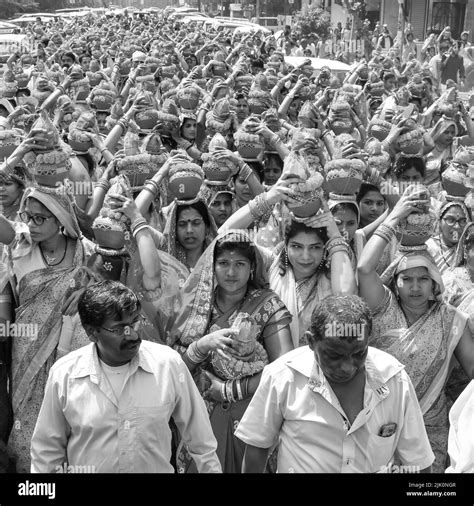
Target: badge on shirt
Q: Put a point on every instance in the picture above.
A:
(387, 429)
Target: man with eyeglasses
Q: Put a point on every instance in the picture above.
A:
(107, 406)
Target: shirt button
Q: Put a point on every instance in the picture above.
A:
(348, 461)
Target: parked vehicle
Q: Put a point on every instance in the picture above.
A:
(339, 69)
(9, 27)
(271, 23)
(11, 42)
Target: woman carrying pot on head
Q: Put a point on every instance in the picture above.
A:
(227, 291)
(446, 140)
(459, 292)
(312, 263)
(45, 270)
(412, 323)
(453, 216)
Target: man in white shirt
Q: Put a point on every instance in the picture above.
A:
(461, 433)
(107, 406)
(337, 406)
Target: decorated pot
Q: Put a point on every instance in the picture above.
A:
(22, 81)
(453, 182)
(411, 142)
(125, 68)
(51, 168)
(80, 89)
(94, 78)
(248, 145)
(168, 71)
(243, 81)
(341, 126)
(103, 102)
(219, 69)
(146, 120)
(310, 203)
(185, 185)
(343, 185)
(139, 168)
(217, 170)
(416, 229)
(185, 179)
(187, 98)
(108, 238)
(380, 129)
(344, 176)
(9, 141)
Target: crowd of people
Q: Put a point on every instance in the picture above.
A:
(214, 261)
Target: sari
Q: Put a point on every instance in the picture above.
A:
(459, 292)
(300, 298)
(425, 348)
(200, 316)
(444, 255)
(45, 299)
(436, 158)
(169, 240)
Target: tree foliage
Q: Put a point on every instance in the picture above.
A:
(313, 20)
(8, 8)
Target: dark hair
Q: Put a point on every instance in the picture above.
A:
(84, 55)
(246, 249)
(69, 54)
(386, 75)
(199, 206)
(106, 299)
(404, 163)
(339, 309)
(292, 230)
(272, 158)
(366, 188)
(346, 206)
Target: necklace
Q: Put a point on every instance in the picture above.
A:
(49, 260)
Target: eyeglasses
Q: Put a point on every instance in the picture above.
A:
(25, 217)
(194, 223)
(452, 221)
(124, 330)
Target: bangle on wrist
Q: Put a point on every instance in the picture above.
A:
(223, 393)
(239, 389)
(194, 354)
(104, 184)
(245, 172)
(259, 207)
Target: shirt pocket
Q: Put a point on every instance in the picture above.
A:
(152, 422)
(380, 452)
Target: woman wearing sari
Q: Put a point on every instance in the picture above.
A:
(227, 290)
(453, 216)
(413, 324)
(189, 227)
(45, 269)
(312, 263)
(459, 292)
(446, 140)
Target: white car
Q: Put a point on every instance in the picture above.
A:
(6, 27)
(339, 69)
(11, 42)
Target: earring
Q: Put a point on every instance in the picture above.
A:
(251, 275)
(285, 259)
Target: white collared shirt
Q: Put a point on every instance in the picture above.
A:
(83, 423)
(296, 405)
